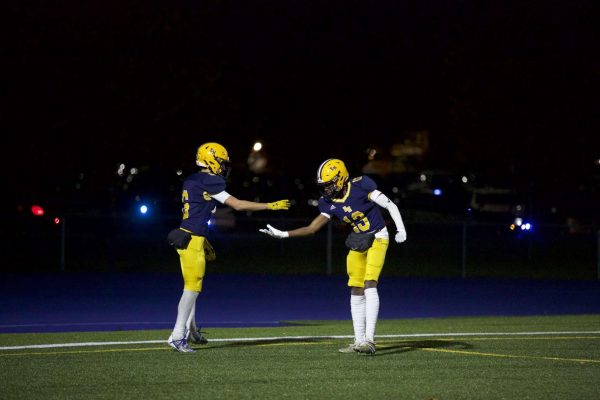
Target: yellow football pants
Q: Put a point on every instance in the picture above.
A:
(193, 264)
(366, 266)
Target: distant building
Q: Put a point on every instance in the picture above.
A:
(405, 156)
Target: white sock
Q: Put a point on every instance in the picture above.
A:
(190, 325)
(186, 303)
(357, 309)
(372, 313)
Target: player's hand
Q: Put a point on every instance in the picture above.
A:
(279, 205)
(400, 236)
(274, 232)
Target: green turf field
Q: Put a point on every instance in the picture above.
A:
(443, 358)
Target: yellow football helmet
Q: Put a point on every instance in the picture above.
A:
(214, 157)
(332, 178)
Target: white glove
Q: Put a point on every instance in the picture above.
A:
(274, 232)
(400, 236)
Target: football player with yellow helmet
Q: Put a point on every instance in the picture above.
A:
(358, 203)
(200, 194)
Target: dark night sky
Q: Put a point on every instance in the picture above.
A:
(503, 87)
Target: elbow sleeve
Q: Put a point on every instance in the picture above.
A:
(383, 201)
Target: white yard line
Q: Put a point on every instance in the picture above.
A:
(258, 339)
(168, 323)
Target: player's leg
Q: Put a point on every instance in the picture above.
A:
(193, 334)
(193, 266)
(374, 265)
(355, 266)
(191, 322)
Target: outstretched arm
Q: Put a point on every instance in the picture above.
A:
(383, 201)
(245, 205)
(316, 224)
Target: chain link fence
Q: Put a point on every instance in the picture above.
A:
(81, 243)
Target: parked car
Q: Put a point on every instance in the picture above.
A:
(500, 205)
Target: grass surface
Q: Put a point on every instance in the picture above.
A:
(444, 358)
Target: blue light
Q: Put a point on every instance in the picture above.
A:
(437, 192)
(526, 226)
(144, 209)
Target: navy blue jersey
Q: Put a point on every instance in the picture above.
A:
(197, 201)
(355, 208)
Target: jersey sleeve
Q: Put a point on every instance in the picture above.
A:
(214, 184)
(324, 207)
(366, 183)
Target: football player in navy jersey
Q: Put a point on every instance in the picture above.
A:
(200, 194)
(358, 203)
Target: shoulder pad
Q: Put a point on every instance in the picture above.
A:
(214, 183)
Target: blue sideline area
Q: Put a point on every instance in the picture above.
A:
(103, 302)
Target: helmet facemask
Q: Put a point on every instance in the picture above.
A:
(224, 167)
(218, 166)
(331, 189)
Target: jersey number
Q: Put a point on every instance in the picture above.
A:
(359, 222)
(186, 205)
